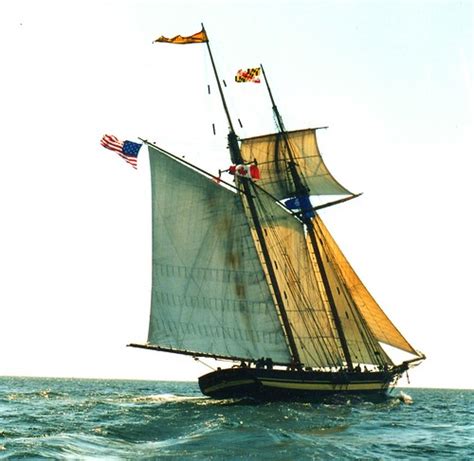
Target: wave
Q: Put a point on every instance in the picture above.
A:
(166, 398)
(42, 393)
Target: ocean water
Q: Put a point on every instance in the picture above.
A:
(106, 419)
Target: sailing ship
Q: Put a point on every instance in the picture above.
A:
(246, 272)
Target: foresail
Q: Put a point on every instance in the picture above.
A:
(374, 317)
(271, 154)
(209, 292)
(310, 320)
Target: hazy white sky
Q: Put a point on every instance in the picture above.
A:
(392, 79)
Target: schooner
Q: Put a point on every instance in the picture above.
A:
(247, 272)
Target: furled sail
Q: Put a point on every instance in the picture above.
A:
(377, 321)
(271, 154)
(209, 292)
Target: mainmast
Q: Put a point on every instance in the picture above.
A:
(236, 158)
(307, 212)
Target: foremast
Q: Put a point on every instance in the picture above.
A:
(247, 184)
(306, 215)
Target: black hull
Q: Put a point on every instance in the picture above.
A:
(268, 385)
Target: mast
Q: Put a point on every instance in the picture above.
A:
(302, 190)
(236, 158)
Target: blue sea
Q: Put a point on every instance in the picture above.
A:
(43, 418)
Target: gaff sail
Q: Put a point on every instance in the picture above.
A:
(209, 291)
(305, 298)
(380, 325)
(310, 322)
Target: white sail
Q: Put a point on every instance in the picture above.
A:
(209, 292)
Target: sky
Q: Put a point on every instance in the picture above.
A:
(393, 80)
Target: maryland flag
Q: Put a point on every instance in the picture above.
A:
(248, 75)
(198, 37)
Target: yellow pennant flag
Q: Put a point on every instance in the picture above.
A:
(198, 37)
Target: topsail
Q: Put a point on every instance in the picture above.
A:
(272, 153)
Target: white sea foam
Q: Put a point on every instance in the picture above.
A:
(405, 398)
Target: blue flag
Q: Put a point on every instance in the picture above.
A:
(302, 203)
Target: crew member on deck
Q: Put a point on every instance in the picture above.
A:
(268, 363)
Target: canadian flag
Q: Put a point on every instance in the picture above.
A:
(246, 171)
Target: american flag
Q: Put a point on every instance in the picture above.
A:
(128, 150)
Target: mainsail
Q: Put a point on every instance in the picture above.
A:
(209, 292)
(362, 344)
(376, 319)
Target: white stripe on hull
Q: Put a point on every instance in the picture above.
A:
(324, 386)
(303, 386)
